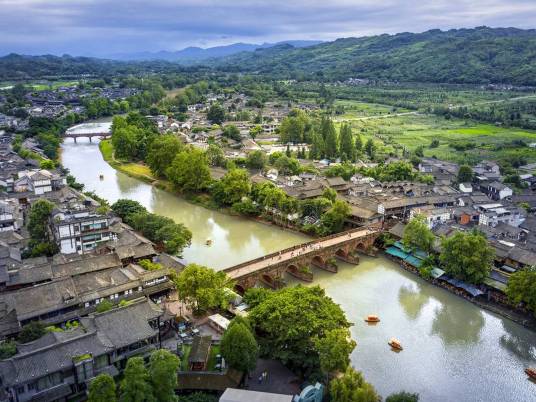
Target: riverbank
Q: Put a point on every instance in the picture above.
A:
(142, 172)
(526, 321)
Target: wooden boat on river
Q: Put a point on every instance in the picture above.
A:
(531, 372)
(372, 319)
(208, 242)
(395, 344)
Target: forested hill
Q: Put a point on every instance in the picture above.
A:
(480, 55)
(21, 67)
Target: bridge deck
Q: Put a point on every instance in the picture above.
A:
(250, 267)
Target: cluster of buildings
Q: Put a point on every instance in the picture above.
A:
(98, 260)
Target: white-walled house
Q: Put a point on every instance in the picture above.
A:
(80, 231)
(38, 182)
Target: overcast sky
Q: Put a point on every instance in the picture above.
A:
(103, 27)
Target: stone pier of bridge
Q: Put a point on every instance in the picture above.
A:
(297, 261)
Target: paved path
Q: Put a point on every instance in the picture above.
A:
(289, 254)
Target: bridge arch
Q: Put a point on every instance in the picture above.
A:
(318, 260)
(341, 253)
(268, 280)
(240, 289)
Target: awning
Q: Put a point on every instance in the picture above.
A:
(414, 261)
(492, 283)
(396, 252)
(472, 290)
(420, 254)
(498, 276)
(399, 245)
(508, 269)
(437, 272)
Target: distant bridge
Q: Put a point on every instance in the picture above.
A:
(90, 135)
(297, 260)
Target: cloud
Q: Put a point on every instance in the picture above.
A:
(100, 27)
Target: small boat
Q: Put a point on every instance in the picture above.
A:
(531, 372)
(101, 176)
(372, 319)
(208, 242)
(395, 344)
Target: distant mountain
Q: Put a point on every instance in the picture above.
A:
(480, 55)
(196, 54)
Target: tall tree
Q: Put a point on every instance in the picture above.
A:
(418, 235)
(189, 170)
(216, 114)
(317, 149)
(352, 387)
(38, 219)
(232, 187)
(334, 350)
(465, 174)
(467, 256)
(215, 155)
(348, 151)
(370, 148)
(287, 326)
(333, 220)
(102, 389)
(329, 135)
(136, 385)
(239, 347)
(522, 288)
(162, 152)
(163, 366)
(203, 288)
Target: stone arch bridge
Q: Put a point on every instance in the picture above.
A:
(297, 260)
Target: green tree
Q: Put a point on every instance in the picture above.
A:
(38, 220)
(333, 220)
(467, 256)
(171, 236)
(417, 234)
(317, 150)
(232, 187)
(255, 296)
(216, 114)
(162, 152)
(352, 387)
(287, 166)
(7, 349)
(329, 135)
(347, 143)
(203, 288)
(231, 131)
(103, 306)
(102, 389)
(522, 288)
(163, 366)
(255, 131)
(189, 171)
(215, 155)
(125, 208)
(465, 174)
(136, 385)
(370, 149)
(403, 397)
(31, 331)
(330, 194)
(287, 326)
(239, 347)
(334, 350)
(256, 160)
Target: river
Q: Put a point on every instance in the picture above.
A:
(453, 351)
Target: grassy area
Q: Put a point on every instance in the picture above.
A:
(136, 170)
(170, 94)
(483, 141)
(356, 109)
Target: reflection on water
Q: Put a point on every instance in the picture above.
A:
(454, 325)
(412, 299)
(453, 351)
(520, 343)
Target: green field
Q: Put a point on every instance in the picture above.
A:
(482, 141)
(355, 109)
